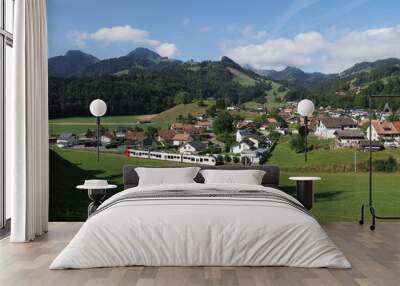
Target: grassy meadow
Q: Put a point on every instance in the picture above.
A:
(79, 125)
(338, 196)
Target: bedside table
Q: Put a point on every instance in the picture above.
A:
(96, 192)
(305, 190)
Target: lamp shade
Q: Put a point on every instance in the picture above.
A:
(98, 107)
(305, 107)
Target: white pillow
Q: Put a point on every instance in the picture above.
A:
(166, 176)
(248, 177)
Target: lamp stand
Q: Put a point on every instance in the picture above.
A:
(370, 205)
(305, 135)
(98, 138)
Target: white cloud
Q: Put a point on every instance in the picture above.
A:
(312, 50)
(167, 50)
(121, 34)
(78, 38)
(356, 46)
(279, 52)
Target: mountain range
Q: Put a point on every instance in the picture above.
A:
(144, 82)
(79, 64)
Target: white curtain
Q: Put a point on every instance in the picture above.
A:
(27, 124)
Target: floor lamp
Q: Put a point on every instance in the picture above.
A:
(98, 108)
(370, 205)
(305, 108)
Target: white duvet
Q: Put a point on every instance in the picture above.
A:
(202, 232)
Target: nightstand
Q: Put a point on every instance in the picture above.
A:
(97, 190)
(305, 190)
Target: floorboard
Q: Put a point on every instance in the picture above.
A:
(375, 257)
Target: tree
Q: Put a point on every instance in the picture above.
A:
(201, 103)
(297, 143)
(220, 103)
(260, 120)
(211, 111)
(183, 97)
(223, 123)
(228, 139)
(138, 128)
(220, 159)
(151, 131)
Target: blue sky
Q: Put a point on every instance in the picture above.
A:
(315, 35)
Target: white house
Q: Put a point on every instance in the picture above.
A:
(327, 126)
(233, 108)
(181, 138)
(244, 133)
(256, 157)
(245, 144)
(385, 132)
(107, 138)
(67, 140)
(192, 147)
(349, 137)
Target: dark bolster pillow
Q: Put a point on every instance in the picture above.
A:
(270, 179)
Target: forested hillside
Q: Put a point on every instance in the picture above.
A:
(150, 85)
(144, 82)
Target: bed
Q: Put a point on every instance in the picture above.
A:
(198, 224)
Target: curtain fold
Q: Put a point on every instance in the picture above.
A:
(27, 124)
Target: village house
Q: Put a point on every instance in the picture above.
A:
(270, 122)
(165, 136)
(186, 128)
(67, 140)
(243, 145)
(205, 125)
(233, 108)
(138, 138)
(327, 126)
(107, 138)
(192, 147)
(256, 156)
(120, 132)
(386, 132)
(349, 137)
(181, 138)
(375, 145)
(243, 133)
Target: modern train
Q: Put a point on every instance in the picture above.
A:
(182, 158)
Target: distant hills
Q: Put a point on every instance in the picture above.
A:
(144, 82)
(70, 63)
(294, 75)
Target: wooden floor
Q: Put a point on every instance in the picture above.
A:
(375, 257)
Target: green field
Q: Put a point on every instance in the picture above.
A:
(125, 119)
(242, 78)
(338, 196)
(170, 115)
(79, 125)
(323, 158)
(69, 168)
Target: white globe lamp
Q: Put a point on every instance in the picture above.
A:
(98, 108)
(305, 108)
